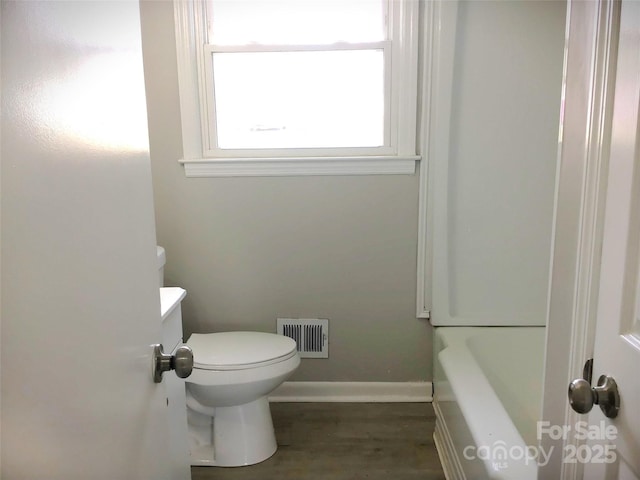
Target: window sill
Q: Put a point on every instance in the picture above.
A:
(284, 167)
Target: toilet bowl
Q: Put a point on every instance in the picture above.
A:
(228, 416)
(227, 407)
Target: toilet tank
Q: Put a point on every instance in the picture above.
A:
(162, 259)
(171, 314)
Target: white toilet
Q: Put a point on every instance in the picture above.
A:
(228, 412)
(227, 407)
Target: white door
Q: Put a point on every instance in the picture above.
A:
(617, 344)
(80, 303)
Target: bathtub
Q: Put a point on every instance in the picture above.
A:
(487, 400)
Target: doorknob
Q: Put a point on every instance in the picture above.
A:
(181, 361)
(582, 396)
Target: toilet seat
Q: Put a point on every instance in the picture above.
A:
(227, 351)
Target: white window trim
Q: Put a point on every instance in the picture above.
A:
(198, 159)
(283, 167)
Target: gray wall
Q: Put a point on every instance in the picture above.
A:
(249, 250)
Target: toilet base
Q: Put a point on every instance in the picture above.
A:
(236, 436)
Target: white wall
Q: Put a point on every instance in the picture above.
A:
(494, 180)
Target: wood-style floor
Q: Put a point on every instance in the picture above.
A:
(345, 441)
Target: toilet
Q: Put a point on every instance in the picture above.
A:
(227, 407)
(228, 415)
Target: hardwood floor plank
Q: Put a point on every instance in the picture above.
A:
(345, 441)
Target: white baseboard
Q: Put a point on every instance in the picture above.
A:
(352, 392)
(449, 460)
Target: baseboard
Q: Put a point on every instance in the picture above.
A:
(444, 446)
(352, 392)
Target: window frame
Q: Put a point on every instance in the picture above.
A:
(208, 119)
(201, 156)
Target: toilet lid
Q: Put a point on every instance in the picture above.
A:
(239, 350)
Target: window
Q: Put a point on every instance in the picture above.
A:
(289, 87)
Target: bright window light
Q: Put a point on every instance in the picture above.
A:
(296, 22)
(299, 99)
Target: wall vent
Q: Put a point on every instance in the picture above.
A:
(311, 335)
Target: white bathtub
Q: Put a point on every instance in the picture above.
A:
(487, 399)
